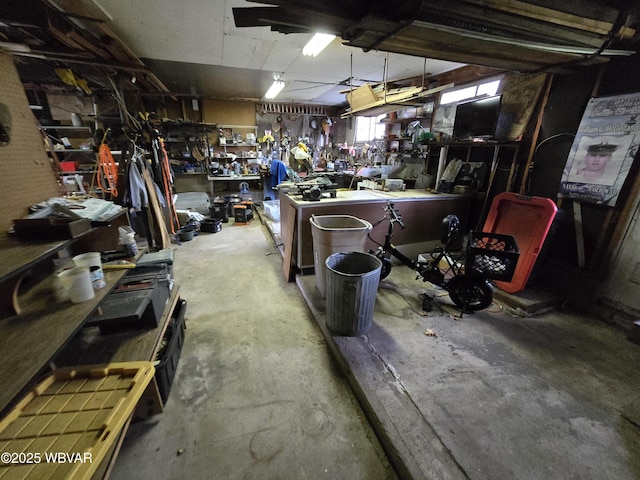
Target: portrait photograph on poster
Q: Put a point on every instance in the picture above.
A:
(603, 150)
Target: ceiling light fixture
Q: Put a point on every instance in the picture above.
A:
(274, 90)
(317, 43)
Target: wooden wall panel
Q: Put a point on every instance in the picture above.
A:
(26, 177)
(228, 112)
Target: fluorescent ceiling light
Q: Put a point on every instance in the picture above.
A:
(274, 90)
(317, 44)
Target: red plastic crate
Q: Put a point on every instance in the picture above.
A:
(528, 219)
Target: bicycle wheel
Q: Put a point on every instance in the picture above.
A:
(470, 294)
(386, 267)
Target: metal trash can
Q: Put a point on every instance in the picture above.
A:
(352, 286)
(333, 234)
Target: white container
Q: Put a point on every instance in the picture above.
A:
(92, 261)
(333, 234)
(272, 209)
(76, 284)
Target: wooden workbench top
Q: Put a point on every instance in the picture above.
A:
(30, 340)
(367, 196)
(18, 256)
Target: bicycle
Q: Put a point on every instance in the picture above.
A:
(466, 282)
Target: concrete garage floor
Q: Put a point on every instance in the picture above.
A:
(490, 396)
(256, 393)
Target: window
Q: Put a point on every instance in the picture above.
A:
(487, 89)
(369, 128)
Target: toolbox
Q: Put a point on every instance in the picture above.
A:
(220, 210)
(243, 213)
(211, 225)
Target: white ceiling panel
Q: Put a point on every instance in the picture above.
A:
(202, 41)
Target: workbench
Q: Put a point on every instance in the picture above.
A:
(236, 179)
(422, 212)
(30, 339)
(39, 333)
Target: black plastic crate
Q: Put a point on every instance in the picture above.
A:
(492, 255)
(170, 355)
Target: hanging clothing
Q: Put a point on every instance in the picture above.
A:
(138, 196)
(278, 173)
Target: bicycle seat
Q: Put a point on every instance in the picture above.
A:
(450, 228)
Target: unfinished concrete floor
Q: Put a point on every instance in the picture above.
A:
(489, 396)
(256, 394)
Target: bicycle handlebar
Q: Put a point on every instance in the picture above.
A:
(395, 216)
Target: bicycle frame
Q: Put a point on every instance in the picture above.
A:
(469, 293)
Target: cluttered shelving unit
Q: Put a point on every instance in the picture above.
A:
(188, 145)
(399, 138)
(73, 147)
(42, 333)
(238, 142)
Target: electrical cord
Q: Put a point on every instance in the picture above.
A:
(107, 171)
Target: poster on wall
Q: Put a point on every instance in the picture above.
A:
(519, 98)
(603, 150)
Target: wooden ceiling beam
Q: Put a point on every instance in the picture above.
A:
(452, 49)
(291, 17)
(501, 25)
(597, 19)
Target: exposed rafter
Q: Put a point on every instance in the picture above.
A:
(507, 34)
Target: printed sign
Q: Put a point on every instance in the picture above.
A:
(603, 150)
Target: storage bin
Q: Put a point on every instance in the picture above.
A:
(352, 286)
(332, 234)
(69, 166)
(491, 255)
(78, 411)
(170, 356)
(529, 220)
(272, 209)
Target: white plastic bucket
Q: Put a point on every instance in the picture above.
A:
(92, 261)
(76, 284)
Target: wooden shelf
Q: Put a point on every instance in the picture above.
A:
(30, 340)
(69, 129)
(90, 347)
(403, 120)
